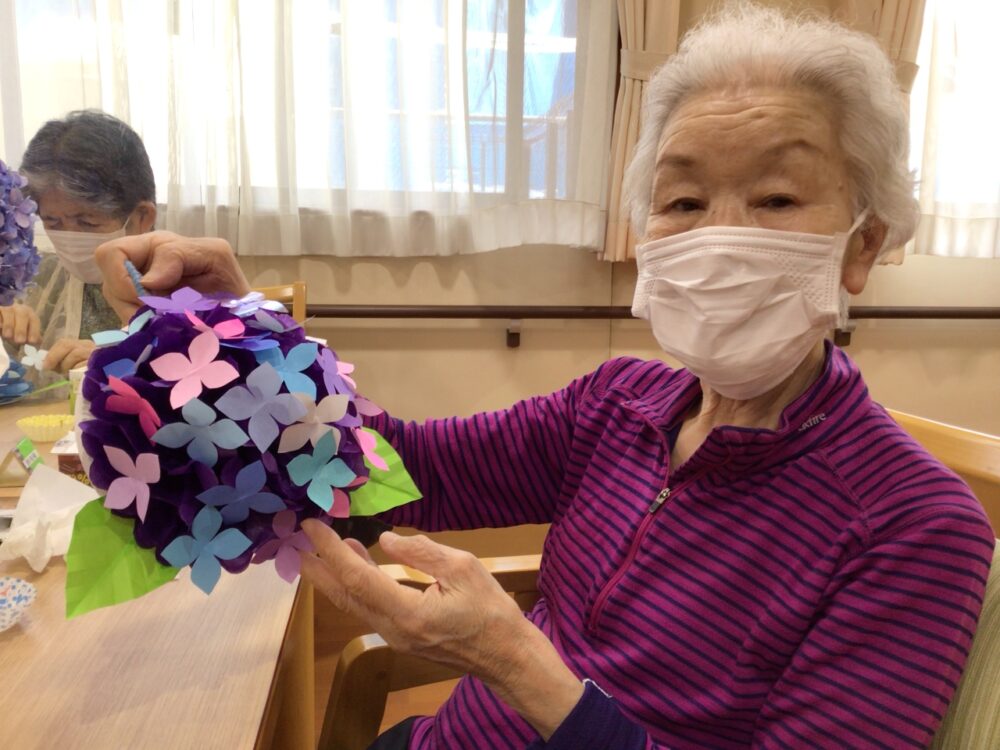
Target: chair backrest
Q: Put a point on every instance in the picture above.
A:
(973, 718)
(291, 295)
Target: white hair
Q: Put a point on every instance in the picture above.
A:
(746, 44)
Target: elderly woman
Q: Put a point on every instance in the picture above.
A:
(747, 552)
(93, 182)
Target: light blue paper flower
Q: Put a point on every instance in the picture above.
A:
(106, 338)
(290, 367)
(262, 404)
(202, 435)
(205, 548)
(247, 495)
(320, 472)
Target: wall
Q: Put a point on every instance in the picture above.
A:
(945, 370)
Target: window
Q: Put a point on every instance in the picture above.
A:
(372, 127)
(954, 114)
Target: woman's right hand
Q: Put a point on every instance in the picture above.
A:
(167, 262)
(19, 325)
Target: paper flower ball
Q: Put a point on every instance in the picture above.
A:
(215, 427)
(19, 257)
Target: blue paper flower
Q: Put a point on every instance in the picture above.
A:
(201, 433)
(247, 495)
(291, 367)
(320, 472)
(205, 548)
(262, 404)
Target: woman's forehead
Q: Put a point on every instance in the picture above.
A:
(55, 203)
(760, 121)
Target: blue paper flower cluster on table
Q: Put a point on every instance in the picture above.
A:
(13, 386)
(219, 427)
(18, 255)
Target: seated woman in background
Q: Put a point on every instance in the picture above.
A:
(92, 180)
(748, 552)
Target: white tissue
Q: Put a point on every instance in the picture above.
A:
(43, 519)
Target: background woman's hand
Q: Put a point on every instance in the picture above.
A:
(465, 620)
(66, 354)
(167, 262)
(20, 325)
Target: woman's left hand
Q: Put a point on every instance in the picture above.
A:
(465, 620)
(66, 354)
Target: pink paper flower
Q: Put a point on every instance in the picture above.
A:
(285, 549)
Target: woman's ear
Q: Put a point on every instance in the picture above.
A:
(143, 218)
(862, 250)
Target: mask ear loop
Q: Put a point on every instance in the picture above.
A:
(858, 222)
(844, 322)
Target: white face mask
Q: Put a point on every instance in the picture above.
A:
(741, 307)
(76, 251)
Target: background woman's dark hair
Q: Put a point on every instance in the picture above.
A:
(92, 157)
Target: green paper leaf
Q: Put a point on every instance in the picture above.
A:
(104, 565)
(384, 489)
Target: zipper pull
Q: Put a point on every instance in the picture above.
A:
(659, 500)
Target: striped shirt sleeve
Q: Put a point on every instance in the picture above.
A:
(493, 469)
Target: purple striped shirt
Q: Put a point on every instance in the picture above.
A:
(811, 586)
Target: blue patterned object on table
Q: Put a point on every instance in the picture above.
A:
(16, 595)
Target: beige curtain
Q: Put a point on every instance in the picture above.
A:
(649, 34)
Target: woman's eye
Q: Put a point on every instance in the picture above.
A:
(778, 201)
(87, 224)
(685, 205)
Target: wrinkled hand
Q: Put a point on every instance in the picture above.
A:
(465, 620)
(167, 262)
(66, 354)
(20, 324)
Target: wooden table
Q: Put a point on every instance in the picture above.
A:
(173, 669)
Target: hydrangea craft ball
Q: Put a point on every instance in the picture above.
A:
(18, 255)
(215, 427)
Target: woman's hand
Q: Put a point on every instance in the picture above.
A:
(66, 354)
(465, 620)
(167, 262)
(20, 325)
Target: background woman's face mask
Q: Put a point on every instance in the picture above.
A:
(77, 251)
(741, 307)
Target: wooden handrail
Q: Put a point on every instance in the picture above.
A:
(610, 312)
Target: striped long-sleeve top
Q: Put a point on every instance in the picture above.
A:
(816, 585)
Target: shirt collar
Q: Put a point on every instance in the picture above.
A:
(804, 422)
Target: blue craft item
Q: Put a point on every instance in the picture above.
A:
(136, 277)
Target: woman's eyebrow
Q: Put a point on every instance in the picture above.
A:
(676, 161)
(792, 144)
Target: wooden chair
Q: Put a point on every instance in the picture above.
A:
(291, 295)
(369, 670)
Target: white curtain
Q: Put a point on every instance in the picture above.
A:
(955, 116)
(347, 127)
